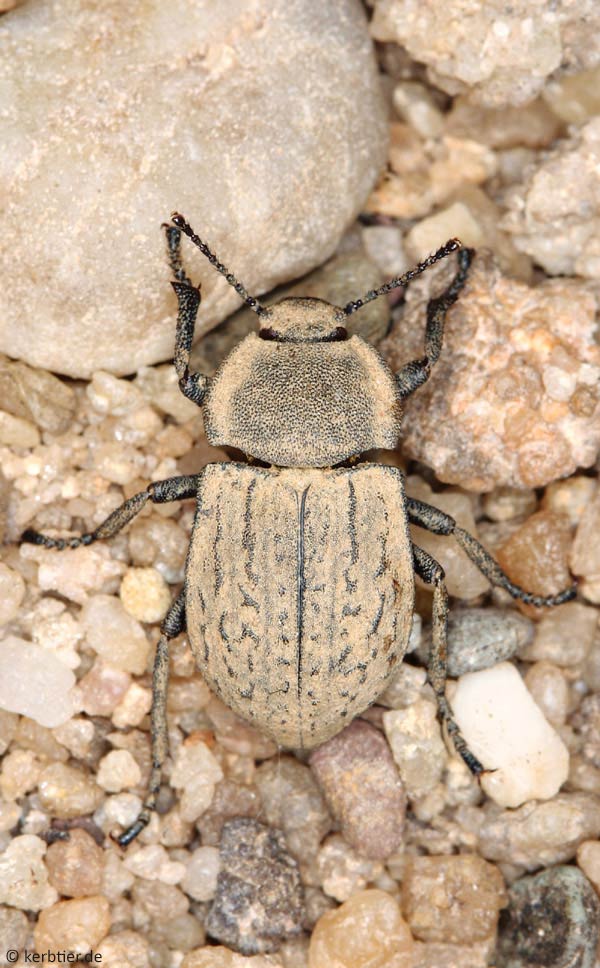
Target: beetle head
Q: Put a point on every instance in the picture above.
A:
(301, 392)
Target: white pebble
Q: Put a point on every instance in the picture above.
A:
(114, 634)
(153, 863)
(505, 729)
(200, 880)
(196, 771)
(118, 771)
(23, 875)
(122, 809)
(35, 683)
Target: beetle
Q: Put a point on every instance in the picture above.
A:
(299, 582)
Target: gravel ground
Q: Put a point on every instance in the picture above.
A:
(379, 849)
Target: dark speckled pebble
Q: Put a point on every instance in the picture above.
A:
(259, 900)
(551, 922)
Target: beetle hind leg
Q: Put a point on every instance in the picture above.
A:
(173, 623)
(432, 519)
(432, 573)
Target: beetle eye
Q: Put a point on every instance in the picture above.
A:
(267, 333)
(337, 335)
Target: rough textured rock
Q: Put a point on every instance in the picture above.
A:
(514, 399)
(357, 773)
(201, 120)
(554, 214)
(540, 834)
(501, 52)
(552, 920)
(259, 899)
(38, 396)
(452, 899)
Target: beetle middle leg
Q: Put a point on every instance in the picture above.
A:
(432, 573)
(159, 492)
(432, 519)
(172, 625)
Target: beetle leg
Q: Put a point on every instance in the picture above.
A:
(431, 572)
(173, 624)
(432, 519)
(159, 492)
(417, 372)
(192, 385)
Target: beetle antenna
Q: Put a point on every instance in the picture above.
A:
(451, 246)
(186, 228)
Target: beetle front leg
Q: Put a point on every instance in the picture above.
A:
(192, 385)
(159, 492)
(432, 573)
(417, 372)
(172, 626)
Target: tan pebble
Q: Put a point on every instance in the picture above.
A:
(145, 594)
(67, 792)
(570, 497)
(154, 864)
(564, 636)
(12, 592)
(76, 925)
(75, 866)
(133, 707)
(550, 691)
(196, 771)
(541, 834)
(220, 957)
(124, 949)
(16, 432)
(118, 771)
(158, 900)
(367, 931)
(536, 556)
(432, 232)
(452, 899)
(20, 773)
(342, 872)
(415, 738)
(585, 554)
(588, 858)
(114, 634)
(102, 688)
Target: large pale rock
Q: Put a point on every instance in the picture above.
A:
(262, 121)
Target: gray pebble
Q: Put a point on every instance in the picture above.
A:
(481, 637)
(259, 900)
(552, 920)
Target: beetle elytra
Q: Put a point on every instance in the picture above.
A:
(299, 586)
